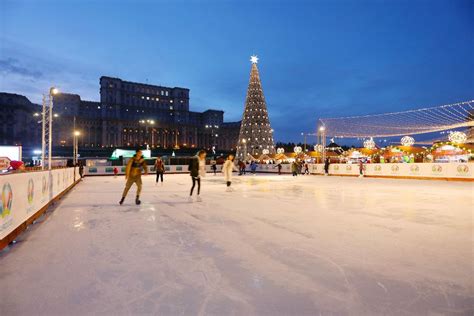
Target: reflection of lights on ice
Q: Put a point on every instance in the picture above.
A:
(457, 137)
(407, 141)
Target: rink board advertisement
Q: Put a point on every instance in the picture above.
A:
(23, 194)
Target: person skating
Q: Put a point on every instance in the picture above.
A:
(214, 167)
(227, 170)
(279, 168)
(197, 169)
(326, 166)
(81, 169)
(361, 168)
(253, 167)
(133, 174)
(294, 169)
(160, 169)
(242, 167)
(306, 168)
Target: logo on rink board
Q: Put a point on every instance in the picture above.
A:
(31, 191)
(348, 168)
(414, 168)
(378, 168)
(7, 199)
(463, 169)
(395, 168)
(437, 169)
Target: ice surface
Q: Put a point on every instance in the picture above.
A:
(275, 246)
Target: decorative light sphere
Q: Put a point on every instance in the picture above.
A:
(318, 148)
(407, 141)
(280, 150)
(297, 149)
(369, 143)
(265, 151)
(457, 137)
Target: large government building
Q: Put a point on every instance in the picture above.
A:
(129, 114)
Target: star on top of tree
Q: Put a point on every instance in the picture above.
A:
(254, 59)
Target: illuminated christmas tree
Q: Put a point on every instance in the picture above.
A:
(256, 134)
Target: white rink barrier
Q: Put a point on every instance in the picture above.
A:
(392, 170)
(27, 193)
(109, 170)
(452, 171)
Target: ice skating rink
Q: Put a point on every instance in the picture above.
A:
(275, 246)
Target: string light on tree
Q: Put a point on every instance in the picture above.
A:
(457, 137)
(407, 141)
(255, 126)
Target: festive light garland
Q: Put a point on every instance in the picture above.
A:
(420, 121)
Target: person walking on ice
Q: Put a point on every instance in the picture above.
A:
(361, 168)
(227, 170)
(133, 174)
(197, 169)
(160, 169)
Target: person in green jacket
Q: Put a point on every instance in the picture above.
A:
(133, 174)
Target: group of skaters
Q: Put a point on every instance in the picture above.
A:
(299, 167)
(136, 166)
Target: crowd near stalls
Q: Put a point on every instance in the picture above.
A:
(450, 152)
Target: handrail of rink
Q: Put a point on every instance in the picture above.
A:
(27, 195)
(437, 171)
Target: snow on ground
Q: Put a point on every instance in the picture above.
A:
(275, 246)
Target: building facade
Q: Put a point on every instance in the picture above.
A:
(20, 121)
(129, 114)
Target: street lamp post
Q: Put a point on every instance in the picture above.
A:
(47, 128)
(76, 146)
(147, 124)
(322, 133)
